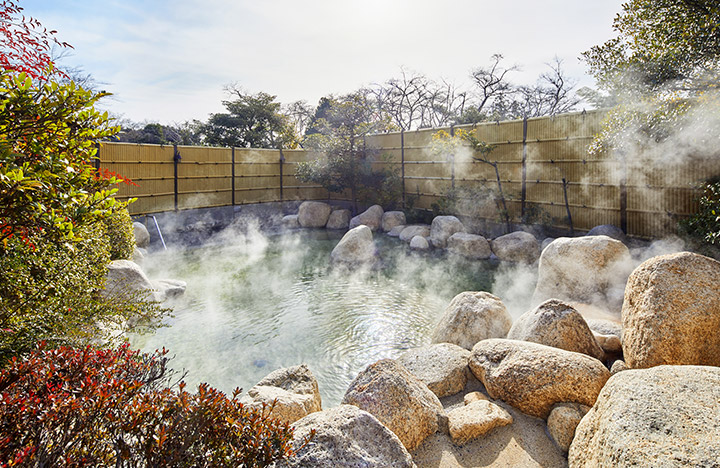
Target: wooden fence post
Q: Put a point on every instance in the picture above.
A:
(402, 164)
(176, 161)
(232, 174)
(523, 189)
(281, 161)
(452, 161)
(96, 160)
(623, 193)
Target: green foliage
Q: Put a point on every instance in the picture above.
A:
(91, 407)
(120, 233)
(47, 139)
(252, 121)
(342, 160)
(704, 226)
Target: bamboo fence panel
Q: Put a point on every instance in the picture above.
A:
(542, 158)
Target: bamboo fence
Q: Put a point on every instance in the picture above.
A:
(545, 170)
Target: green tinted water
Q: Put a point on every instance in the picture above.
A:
(254, 304)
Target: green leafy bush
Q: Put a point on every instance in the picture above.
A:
(704, 226)
(120, 233)
(93, 407)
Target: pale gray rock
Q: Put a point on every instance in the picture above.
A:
(556, 323)
(355, 247)
(547, 241)
(618, 366)
(533, 377)
(671, 313)
(126, 280)
(591, 270)
(419, 243)
(665, 416)
(443, 227)
(398, 399)
(476, 419)
(518, 247)
(471, 317)
(346, 436)
(471, 246)
(610, 231)
(293, 391)
(413, 230)
(395, 232)
(169, 288)
(313, 214)
(392, 219)
(443, 367)
(563, 419)
(607, 333)
(142, 236)
(338, 219)
(139, 255)
(372, 218)
(290, 221)
(474, 396)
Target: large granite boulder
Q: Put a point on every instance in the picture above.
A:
(338, 219)
(413, 230)
(443, 367)
(372, 218)
(518, 247)
(346, 436)
(663, 416)
(126, 280)
(398, 399)
(169, 288)
(562, 422)
(443, 227)
(533, 377)
(590, 270)
(313, 214)
(292, 392)
(556, 323)
(671, 313)
(391, 219)
(471, 317)
(471, 246)
(355, 247)
(476, 419)
(142, 236)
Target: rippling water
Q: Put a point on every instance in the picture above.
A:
(255, 304)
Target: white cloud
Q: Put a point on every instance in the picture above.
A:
(168, 61)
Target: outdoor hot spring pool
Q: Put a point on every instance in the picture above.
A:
(255, 303)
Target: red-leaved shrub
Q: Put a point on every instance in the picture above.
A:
(98, 407)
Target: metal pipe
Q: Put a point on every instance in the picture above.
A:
(157, 226)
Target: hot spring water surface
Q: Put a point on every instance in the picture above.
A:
(254, 304)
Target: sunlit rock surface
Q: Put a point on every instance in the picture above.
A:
(533, 377)
(398, 399)
(556, 323)
(293, 391)
(591, 270)
(563, 419)
(413, 230)
(469, 245)
(671, 313)
(665, 416)
(476, 419)
(443, 367)
(346, 436)
(142, 236)
(471, 317)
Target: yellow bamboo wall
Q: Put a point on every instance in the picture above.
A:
(555, 149)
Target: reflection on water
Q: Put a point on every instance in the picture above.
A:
(255, 304)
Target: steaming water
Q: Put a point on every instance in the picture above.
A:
(255, 304)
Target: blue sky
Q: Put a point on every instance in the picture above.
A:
(167, 61)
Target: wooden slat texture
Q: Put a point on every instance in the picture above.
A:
(555, 148)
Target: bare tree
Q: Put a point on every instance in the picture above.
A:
(492, 82)
(299, 114)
